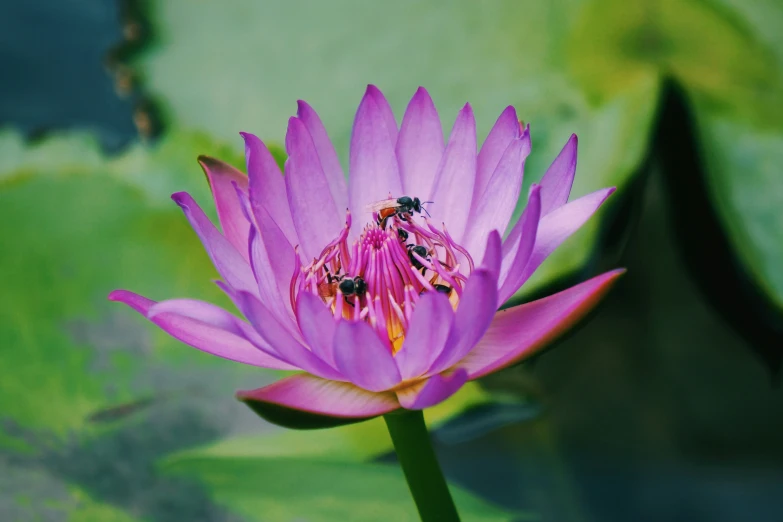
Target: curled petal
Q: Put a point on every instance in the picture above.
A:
(505, 130)
(222, 178)
(518, 332)
(202, 326)
(327, 401)
(559, 177)
(493, 254)
(520, 243)
(432, 391)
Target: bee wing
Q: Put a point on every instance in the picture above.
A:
(381, 205)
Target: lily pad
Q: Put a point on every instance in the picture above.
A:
(285, 489)
(74, 232)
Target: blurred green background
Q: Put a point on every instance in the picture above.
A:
(666, 405)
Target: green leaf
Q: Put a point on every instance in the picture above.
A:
(79, 229)
(291, 489)
(491, 54)
(732, 69)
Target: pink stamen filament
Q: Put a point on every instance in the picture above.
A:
(393, 274)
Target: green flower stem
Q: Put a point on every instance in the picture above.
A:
(420, 466)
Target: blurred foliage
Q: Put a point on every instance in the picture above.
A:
(106, 418)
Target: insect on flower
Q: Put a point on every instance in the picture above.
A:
(402, 207)
(389, 304)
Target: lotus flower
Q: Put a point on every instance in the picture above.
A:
(382, 292)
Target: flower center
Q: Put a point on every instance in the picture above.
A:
(379, 277)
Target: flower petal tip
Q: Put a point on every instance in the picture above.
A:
(181, 199)
(117, 295)
(209, 163)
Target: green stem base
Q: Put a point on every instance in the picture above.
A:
(420, 466)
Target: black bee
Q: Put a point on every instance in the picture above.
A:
(403, 235)
(418, 250)
(443, 289)
(353, 286)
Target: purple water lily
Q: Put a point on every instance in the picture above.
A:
(382, 293)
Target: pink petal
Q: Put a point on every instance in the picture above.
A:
(317, 219)
(288, 348)
(221, 178)
(317, 325)
(426, 337)
(521, 242)
(374, 174)
(559, 177)
(558, 225)
(420, 145)
(273, 267)
(390, 123)
(211, 331)
(432, 391)
(453, 190)
(474, 315)
(267, 187)
(214, 316)
(520, 331)
(493, 208)
(326, 154)
(493, 254)
(363, 358)
(505, 130)
(311, 394)
(230, 264)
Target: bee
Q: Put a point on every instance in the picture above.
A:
(418, 250)
(403, 206)
(349, 286)
(353, 286)
(443, 289)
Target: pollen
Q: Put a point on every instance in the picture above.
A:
(379, 277)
